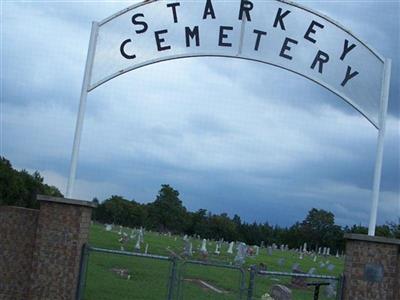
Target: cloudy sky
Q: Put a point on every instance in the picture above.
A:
(232, 136)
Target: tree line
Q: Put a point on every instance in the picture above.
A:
(168, 214)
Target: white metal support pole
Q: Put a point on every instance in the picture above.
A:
(82, 106)
(379, 148)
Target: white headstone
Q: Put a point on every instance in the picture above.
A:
(315, 258)
(217, 249)
(301, 255)
(141, 235)
(108, 227)
(230, 249)
(147, 248)
(137, 246)
(204, 246)
(305, 247)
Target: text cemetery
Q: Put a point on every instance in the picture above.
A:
(192, 35)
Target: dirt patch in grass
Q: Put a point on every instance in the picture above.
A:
(205, 285)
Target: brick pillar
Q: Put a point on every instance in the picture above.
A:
(63, 227)
(372, 268)
(17, 239)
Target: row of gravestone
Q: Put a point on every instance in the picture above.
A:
(242, 249)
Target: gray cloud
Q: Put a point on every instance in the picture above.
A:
(230, 135)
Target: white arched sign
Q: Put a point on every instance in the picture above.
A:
(278, 33)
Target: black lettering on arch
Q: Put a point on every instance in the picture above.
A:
(208, 10)
(245, 7)
(173, 6)
(321, 58)
(192, 34)
(160, 40)
(223, 36)
(123, 52)
(279, 18)
(285, 48)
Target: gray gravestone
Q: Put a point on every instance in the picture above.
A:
(241, 254)
(311, 271)
(296, 266)
(330, 290)
(187, 250)
(280, 292)
(281, 261)
(331, 267)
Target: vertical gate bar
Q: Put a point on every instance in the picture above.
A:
(250, 290)
(82, 272)
(339, 291)
(180, 280)
(242, 286)
(172, 279)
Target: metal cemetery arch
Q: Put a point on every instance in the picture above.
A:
(279, 33)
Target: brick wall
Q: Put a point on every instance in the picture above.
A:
(40, 250)
(383, 255)
(17, 240)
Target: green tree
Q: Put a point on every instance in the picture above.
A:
(319, 229)
(167, 211)
(20, 188)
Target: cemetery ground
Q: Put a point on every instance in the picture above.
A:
(107, 274)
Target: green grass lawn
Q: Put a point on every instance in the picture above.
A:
(149, 277)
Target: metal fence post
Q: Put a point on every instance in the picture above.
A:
(82, 272)
(242, 283)
(253, 271)
(172, 279)
(339, 291)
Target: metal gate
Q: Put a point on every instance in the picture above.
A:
(205, 279)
